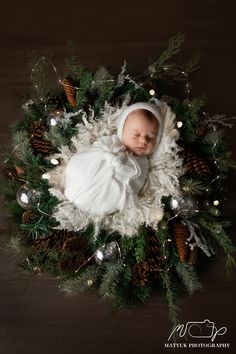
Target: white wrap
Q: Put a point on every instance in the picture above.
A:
(103, 178)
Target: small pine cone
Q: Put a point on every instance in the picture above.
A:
(71, 264)
(42, 243)
(155, 264)
(181, 233)
(27, 217)
(193, 256)
(59, 237)
(70, 92)
(55, 239)
(57, 102)
(140, 273)
(37, 129)
(41, 145)
(195, 164)
(74, 244)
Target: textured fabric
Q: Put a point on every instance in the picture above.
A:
(104, 178)
(140, 105)
(165, 168)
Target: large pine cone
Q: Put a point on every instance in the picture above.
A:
(70, 92)
(181, 233)
(194, 163)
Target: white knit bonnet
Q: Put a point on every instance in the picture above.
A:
(140, 105)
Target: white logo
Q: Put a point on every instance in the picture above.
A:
(202, 329)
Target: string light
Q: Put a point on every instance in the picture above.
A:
(45, 176)
(54, 161)
(216, 202)
(179, 124)
(152, 92)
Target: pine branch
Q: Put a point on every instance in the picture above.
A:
(188, 276)
(23, 150)
(173, 309)
(89, 277)
(225, 164)
(192, 64)
(55, 136)
(214, 139)
(72, 62)
(39, 75)
(140, 247)
(104, 83)
(173, 47)
(110, 279)
(192, 186)
(216, 230)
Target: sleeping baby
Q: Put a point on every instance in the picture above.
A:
(109, 175)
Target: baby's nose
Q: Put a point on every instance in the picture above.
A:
(143, 140)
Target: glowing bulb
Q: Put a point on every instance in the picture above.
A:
(179, 124)
(45, 176)
(174, 203)
(152, 92)
(99, 255)
(186, 189)
(216, 202)
(89, 282)
(54, 161)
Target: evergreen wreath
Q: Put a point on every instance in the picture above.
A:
(124, 261)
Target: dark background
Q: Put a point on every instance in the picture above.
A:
(34, 316)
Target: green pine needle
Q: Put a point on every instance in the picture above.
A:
(188, 276)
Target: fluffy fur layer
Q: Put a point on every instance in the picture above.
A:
(163, 177)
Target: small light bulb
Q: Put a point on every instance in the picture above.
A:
(186, 188)
(152, 92)
(99, 255)
(179, 124)
(53, 122)
(216, 202)
(45, 176)
(89, 282)
(54, 161)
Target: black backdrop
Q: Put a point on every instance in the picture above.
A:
(34, 316)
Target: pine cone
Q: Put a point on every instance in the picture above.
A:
(70, 92)
(56, 239)
(57, 102)
(27, 217)
(181, 233)
(194, 163)
(74, 244)
(193, 256)
(71, 264)
(155, 258)
(140, 273)
(37, 129)
(39, 144)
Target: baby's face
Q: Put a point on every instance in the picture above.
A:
(140, 133)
